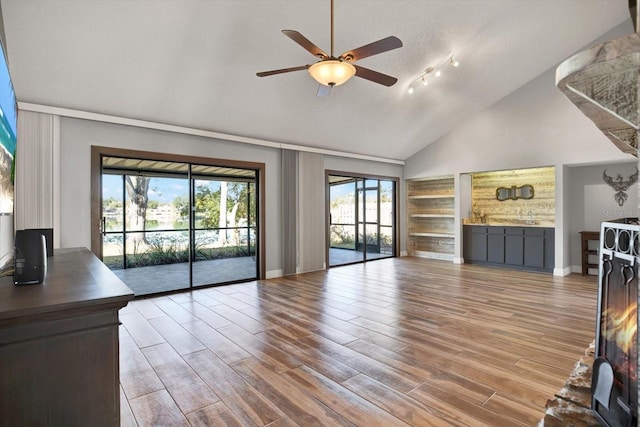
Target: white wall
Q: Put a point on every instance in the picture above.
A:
(535, 125)
(590, 201)
(77, 136)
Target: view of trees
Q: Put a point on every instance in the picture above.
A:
(348, 233)
(225, 208)
(224, 217)
(137, 201)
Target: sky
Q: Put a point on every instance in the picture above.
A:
(164, 190)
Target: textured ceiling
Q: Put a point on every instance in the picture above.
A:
(193, 63)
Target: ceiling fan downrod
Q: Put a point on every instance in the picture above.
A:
(332, 28)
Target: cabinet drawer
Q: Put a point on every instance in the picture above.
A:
(478, 230)
(537, 232)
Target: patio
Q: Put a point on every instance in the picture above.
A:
(170, 277)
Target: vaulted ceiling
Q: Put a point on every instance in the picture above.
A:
(193, 63)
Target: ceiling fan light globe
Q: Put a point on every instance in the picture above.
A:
(332, 72)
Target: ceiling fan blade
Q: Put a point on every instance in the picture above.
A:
(324, 90)
(374, 48)
(374, 76)
(283, 70)
(305, 43)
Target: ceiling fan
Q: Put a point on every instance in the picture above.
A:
(332, 71)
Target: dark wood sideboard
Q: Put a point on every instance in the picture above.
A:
(59, 348)
(585, 238)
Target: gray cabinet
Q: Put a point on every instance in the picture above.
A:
(495, 245)
(530, 248)
(514, 245)
(479, 243)
(534, 247)
(549, 248)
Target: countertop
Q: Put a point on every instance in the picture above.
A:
(511, 224)
(76, 280)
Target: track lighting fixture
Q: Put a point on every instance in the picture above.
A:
(430, 72)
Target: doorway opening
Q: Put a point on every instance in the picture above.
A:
(361, 217)
(169, 225)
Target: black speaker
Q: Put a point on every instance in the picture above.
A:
(30, 257)
(48, 235)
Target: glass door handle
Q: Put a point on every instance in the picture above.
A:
(103, 226)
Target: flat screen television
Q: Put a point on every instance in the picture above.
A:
(8, 140)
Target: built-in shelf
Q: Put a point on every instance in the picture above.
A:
(430, 217)
(432, 255)
(432, 234)
(433, 196)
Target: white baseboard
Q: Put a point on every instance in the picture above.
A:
(563, 271)
(578, 269)
(458, 260)
(272, 274)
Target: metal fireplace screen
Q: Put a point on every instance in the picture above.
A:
(615, 370)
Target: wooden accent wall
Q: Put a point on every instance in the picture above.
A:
(542, 205)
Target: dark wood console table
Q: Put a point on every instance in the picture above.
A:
(587, 236)
(59, 348)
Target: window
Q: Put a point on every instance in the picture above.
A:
(362, 218)
(172, 225)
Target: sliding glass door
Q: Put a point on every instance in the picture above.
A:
(224, 229)
(344, 225)
(361, 219)
(167, 226)
(144, 227)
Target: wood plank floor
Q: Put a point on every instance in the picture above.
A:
(402, 341)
